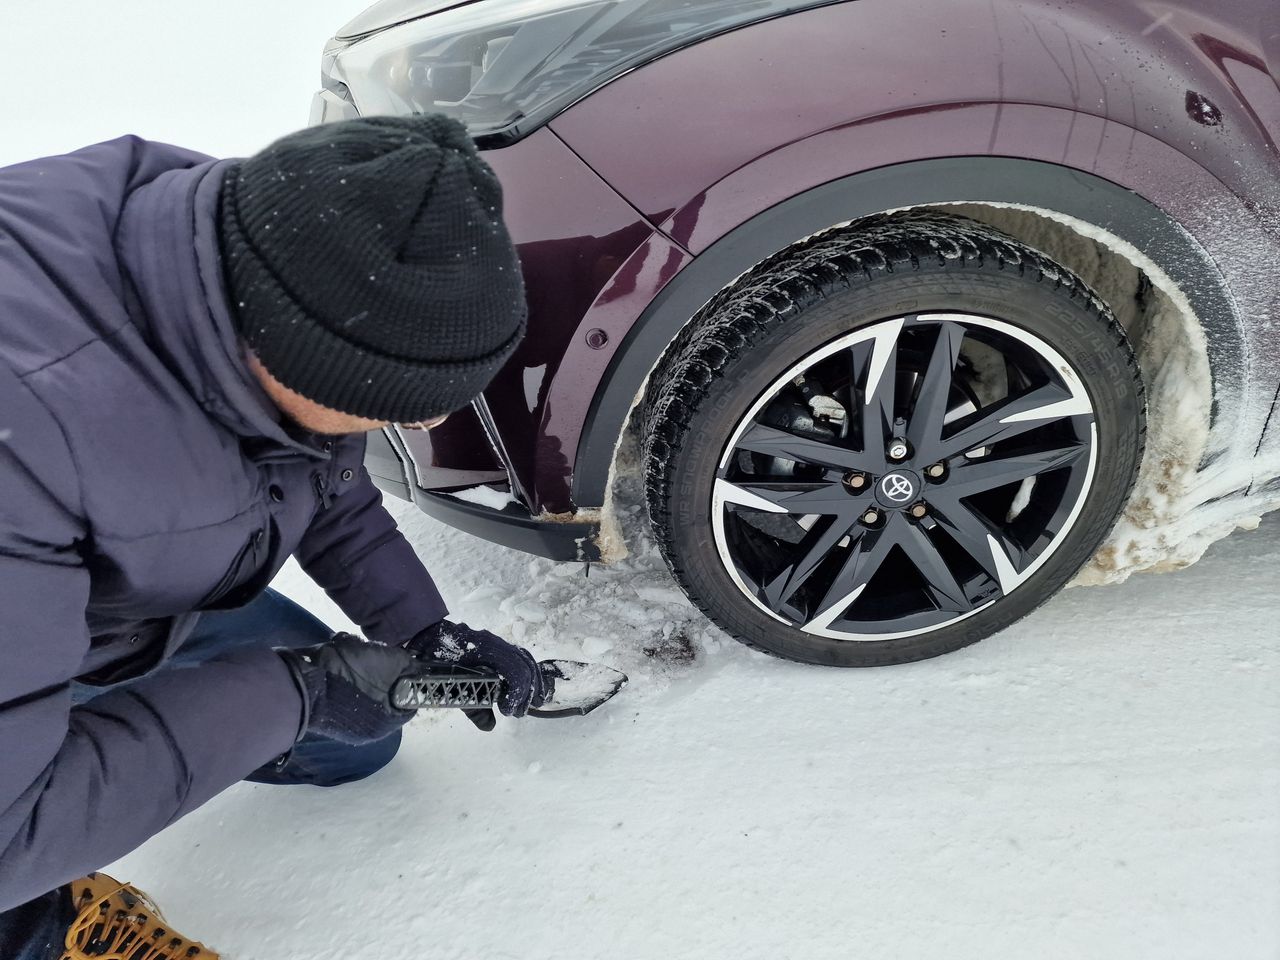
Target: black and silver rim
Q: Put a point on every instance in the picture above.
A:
(904, 477)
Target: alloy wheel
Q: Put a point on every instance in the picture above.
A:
(904, 477)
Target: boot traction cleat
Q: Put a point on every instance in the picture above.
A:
(116, 921)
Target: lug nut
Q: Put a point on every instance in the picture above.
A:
(936, 470)
(898, 449)
(871, 516)
(919, 510)
(855, 481)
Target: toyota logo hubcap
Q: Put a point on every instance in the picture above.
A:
(896, 489)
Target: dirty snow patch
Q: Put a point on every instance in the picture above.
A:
(1177, 509)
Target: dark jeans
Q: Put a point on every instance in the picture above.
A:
(35, 931)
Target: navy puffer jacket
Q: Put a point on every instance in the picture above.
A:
(144, 477)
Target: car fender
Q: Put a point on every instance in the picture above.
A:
(1080, 195)
(734, 182)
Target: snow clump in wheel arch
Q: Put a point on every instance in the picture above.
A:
(1177, 510)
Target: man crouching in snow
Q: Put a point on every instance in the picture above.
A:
(190, 353)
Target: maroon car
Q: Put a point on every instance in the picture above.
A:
(916, 308)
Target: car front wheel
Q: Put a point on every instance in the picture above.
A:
(890, 442)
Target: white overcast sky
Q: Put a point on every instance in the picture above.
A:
(222, 76)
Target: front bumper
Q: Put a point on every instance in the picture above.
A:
(512, 525)
(328, 107)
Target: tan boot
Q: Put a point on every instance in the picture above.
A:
(119, 922)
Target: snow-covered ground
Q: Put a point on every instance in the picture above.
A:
(1098, 782)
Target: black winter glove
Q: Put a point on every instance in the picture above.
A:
(346, 687)
(523, 684)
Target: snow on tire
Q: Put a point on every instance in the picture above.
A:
(890, 441)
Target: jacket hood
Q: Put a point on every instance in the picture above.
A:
(170, 256)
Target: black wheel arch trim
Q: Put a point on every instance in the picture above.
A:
(1034, 183)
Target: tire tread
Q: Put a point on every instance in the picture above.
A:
(782, 287)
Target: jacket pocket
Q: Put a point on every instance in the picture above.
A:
(225, 596)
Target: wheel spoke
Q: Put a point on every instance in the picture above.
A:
(1012, 417)
(773, 442)
(868, 551)
(824, 497)
(940, 581)
(976, 536)
(924, 426)
(876, 362)
(814, 548)
(987, 473)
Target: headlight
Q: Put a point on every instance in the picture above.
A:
(389, 13)
(505, 66)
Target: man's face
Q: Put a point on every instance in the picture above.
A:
(315, 417)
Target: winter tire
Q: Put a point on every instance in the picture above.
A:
(890, 441)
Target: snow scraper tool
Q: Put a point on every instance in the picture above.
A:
(576, 688)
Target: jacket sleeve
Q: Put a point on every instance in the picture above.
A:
(81, 786)
(355, 551)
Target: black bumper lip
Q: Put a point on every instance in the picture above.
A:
(514, 527)
(511, 525)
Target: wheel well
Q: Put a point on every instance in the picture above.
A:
(1172, 355)
(1126, 222)
(1167, 336)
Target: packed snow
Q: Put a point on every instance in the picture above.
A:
(582, 686)
(485, 497)
(1178, 506)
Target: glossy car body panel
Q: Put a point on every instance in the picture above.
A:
(1160, 113)
(615, 312)
(573, 234)
(978, 179)
(1157, 122)
(739, 97)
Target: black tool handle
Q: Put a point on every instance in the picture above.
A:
(447, 687)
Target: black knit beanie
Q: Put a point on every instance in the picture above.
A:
(368, 266)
